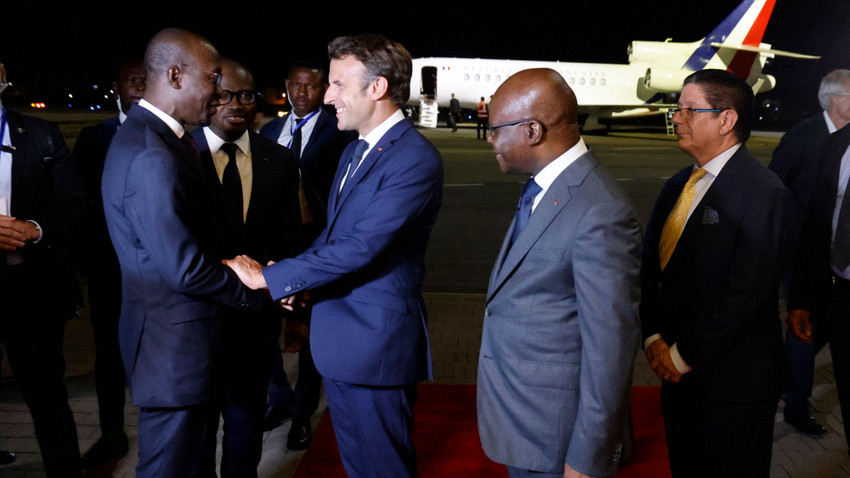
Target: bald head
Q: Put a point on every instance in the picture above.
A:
(548, 111)
(183, 70)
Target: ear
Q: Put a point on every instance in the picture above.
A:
(534, 132)
(175, 76)
(379, 87)
(729, 120)
(115, 95)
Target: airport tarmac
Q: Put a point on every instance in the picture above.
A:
(478, 204)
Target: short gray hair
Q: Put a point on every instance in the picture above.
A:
(832, 84)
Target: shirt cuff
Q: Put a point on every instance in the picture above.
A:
(650, 339)
(40, 232)
(680, 364)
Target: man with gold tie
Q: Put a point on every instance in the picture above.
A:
(716, 247)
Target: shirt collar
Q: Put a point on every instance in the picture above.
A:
(830, 126)
(376, 134)
(714, 166)
(172, 123)
(214, 142)
(551, 171)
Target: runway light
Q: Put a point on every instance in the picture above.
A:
(38, 105)
(281, 114)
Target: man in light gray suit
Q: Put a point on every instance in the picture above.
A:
(561, 326)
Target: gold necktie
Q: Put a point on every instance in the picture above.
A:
(676, 221)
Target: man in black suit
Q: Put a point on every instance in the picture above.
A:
(259, 185)
(820, 283)
(100, 266)
(42, 206)
(311, 133)
(716, 248)
(454, 113)
(796, 161)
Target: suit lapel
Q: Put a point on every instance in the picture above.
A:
(18, 136)
(378, 150)
(554, 201)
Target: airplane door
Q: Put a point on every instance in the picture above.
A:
(429, 83)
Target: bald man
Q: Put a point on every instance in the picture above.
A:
(168, 239)
(561, 327)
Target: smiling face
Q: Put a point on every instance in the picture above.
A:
(349, 94)
(233, 119)
(200, 82)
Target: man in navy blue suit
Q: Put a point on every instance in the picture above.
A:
(311, 133)
(266, 225)
(176, 294)
(365, 271)
(100, 266)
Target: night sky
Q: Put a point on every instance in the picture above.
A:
(41, 43)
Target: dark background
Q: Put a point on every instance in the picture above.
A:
(47, 47)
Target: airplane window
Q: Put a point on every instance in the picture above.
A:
(602, 82)
(466, 77)
(592, 81)
(581, 81)
(486, 77)
(477, 77)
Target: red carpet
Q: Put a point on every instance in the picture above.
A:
(456, 451)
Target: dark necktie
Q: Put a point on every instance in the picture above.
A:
(354, 160)
(295, 147)
(523, 210)
(192, 146)
(231, 185)
(841, 244)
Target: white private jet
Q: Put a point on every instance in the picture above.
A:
(655, 70)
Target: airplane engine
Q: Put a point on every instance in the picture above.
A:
(665, 80)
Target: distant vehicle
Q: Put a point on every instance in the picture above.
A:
(655, 71)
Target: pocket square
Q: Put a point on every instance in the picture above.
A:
(710, 216)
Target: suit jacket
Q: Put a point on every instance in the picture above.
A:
(796, 159)
(365, 270)
(318, 161)
(718, 296)
(46, 188)
(272, 226)
(811, 280)
(169, 244)
(89, 155)
(561, 330)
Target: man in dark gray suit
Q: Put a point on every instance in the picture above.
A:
(561, 325)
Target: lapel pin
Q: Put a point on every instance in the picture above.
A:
(265, 159)
(380, 148)
(555, 202)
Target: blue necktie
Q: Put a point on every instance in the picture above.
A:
(354, 160)
(523, 210)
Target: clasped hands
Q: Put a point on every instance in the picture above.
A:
(661, 362)
(15, 233)
(250, 272)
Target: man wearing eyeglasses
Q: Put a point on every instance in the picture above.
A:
(716, 247)
(561, 328)
(168, 236)
(260, 178)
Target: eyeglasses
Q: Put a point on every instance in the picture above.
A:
(214, 75)
(244, 97)
(492, 129)
(691, 111)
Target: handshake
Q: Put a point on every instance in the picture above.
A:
(250, 272)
